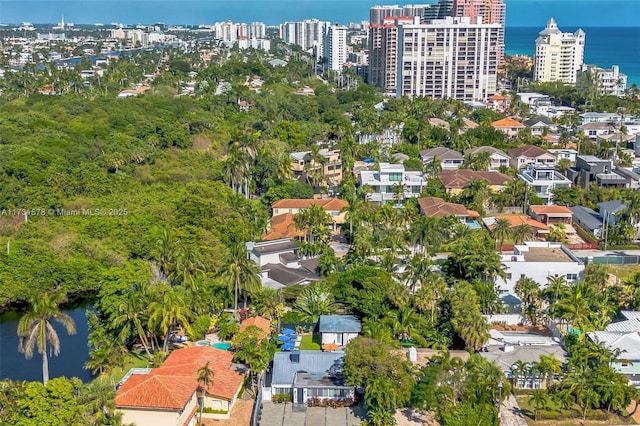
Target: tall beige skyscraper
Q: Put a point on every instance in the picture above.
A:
(491, 11)
(559, 56)
(448, 58)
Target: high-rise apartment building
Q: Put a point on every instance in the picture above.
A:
(559, 56)
(377, 14)
(257, 30)
(308, 34)
(383, 52)
(491, 11)
(448, 58)
(439, 10)
(385, 21)
(335, 47)
(383, 41)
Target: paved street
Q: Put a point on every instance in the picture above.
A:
(600, 253)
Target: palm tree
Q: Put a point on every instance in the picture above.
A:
(35, 328)
(476, 194)
(563, 165)
(558, 233)
(539, 400)
(522, 233)
(132, 315)
(168, 312)
(352, 211)
(315, 300)
(528, 292)
(242, 274)
(501, 230)
(205, 379)
(549, 366)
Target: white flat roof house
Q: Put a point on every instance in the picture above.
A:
(544, 180)
(539, 260)
(384, 182)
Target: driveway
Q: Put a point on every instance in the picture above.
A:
(283, 415)
(510, 414)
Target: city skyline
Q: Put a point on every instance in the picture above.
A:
(520, 13)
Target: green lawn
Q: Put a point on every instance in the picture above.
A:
(623, 271)
(134, 359)
(553, 415)
(310, 342)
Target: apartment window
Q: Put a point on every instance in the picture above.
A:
(395, 177)
(522, 276)
(509, 275)
(571, 277)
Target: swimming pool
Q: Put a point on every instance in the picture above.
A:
(218, 345)
(222, 345)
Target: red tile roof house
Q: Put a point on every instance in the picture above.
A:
(437, 207)
(168, 395)
(333, 206)
(508, 126)
(262, 323)
(551, 214)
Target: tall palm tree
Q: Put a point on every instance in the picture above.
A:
(242, 274)
(35, 328)
(501, 231)
(168, 312)
(539, 400)
(352, 212)
(132, 315)
(205, 379)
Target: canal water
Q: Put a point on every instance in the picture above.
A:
(73, 351)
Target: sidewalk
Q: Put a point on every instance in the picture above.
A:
(510, 413)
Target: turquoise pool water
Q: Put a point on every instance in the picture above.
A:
(219, 345)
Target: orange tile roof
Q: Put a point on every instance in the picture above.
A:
(437, 207)
(282, 226)
(507, 122)
(458, 179)
(551, 210)
(262, 323)
(302, 203)
(187, 361)
(497, 97)
(156, 391)
(521, 219)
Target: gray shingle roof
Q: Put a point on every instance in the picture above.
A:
(612, 207)
(586, 217)
(339, 324)
(284, 370)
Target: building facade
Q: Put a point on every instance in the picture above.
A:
(491, 12)
(335, 47)
(448, 58)
(540, 261)
(308, 34)
(609, 81)
(559, 56)
(544, 179)
(392, 182)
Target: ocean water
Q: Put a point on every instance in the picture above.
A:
(612, 26)
(603, 46)
(522, 13)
